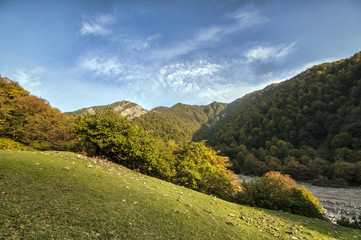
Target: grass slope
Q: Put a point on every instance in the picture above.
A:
(46, 195)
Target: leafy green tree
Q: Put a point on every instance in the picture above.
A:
(254, 166)
(296, 169)
(200, 168)
(274, 164)
(109, 134)
(341, 140)
(318, 167)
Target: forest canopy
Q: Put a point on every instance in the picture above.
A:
(308, 126)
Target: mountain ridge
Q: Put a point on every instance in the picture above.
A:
(125, 108)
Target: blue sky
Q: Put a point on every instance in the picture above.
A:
(157, 53)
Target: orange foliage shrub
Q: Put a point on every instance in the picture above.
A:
(279, 192)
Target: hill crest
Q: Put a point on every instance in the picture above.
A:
(125, 108)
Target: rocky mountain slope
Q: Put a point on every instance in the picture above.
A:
(124, 108)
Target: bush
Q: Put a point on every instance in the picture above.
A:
(354, 223)
(279, 192)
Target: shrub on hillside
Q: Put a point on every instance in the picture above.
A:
(279, 192)
(354, 223)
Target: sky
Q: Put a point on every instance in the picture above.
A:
(79, 54)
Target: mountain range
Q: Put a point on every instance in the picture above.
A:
(285, 126)
(308, 126)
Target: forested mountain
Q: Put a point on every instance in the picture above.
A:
(179, 122)
(296, 125)
(124, 108)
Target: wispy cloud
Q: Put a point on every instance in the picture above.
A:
(241, 21)
(248, 18)
(226, 92)
(29, 79)
(101, 65)
(97, 26)
(134, 43)
(266, 54)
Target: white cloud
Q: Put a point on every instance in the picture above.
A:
(227, 92)
(211, 34)
(187, 77)
(97, 26)
(246, 18)
(198, 41)
(30, 80)
(136, 43)
(266, 54)
(101, 66)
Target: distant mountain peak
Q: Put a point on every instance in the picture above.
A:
(125, 108)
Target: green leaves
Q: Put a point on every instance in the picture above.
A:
(193, 165)
(199, 167)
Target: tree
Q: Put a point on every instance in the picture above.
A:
(318, 167)
(109, 134)
(32, 121)
(341, 140)
(200, 168)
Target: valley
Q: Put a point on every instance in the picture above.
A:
(304, 127)
(184, 120)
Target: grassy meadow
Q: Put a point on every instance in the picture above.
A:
(62, 195)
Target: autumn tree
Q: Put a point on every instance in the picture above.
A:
(279, 192)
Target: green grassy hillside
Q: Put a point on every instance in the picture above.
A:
(61, 195)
